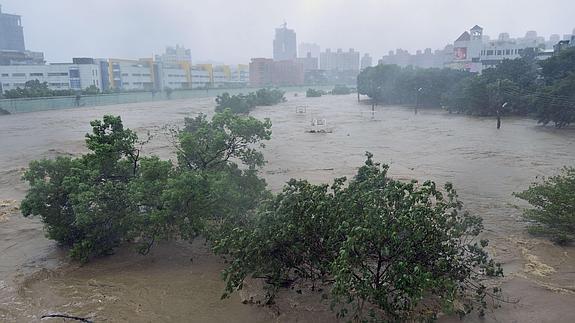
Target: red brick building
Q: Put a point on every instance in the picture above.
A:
(267, 72)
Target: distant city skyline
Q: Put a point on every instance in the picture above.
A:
(134, 29)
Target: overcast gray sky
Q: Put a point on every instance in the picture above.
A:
(233, 31)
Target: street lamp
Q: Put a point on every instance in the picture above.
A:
(499, 114)
(418, 98)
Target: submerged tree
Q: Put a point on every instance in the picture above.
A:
(403, 250)
(553, 212)
(244, 103)
(84, 202)
(112, 194)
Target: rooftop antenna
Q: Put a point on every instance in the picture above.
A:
(284, 25)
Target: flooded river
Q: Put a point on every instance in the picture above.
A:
(180, 282)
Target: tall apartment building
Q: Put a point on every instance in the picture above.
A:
(285, 47)
(309, 62)
(11, 32)
(339, 60)
(12, 46)
(175, 55)
(308, 48)
(366, 61)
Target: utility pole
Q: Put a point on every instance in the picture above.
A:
(498, 102)
(357, 87)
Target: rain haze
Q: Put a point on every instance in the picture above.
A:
(235, 31)
(260, 161)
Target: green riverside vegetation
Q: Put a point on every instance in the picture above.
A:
(340, 90)
(381, 248)
(313, 93)
(542, 89)
(242, 103)
(553, 212)
(37, 89)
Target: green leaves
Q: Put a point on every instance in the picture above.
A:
(111, 195)
(243, 104)
(553, 207)
(340, 90)
(33, 89)
(378, 240)
(208, 145)
(543, 89)
(313, 93)
(391, 84)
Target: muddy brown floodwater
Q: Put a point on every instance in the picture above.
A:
(180, 282)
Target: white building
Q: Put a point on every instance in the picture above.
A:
(339, 60)
(474, 52)
(308, 48)
(75, 77)
(201, 77)
(220, 76)
(240, 74)
(173, 77)
(131, 75)
(175, 55)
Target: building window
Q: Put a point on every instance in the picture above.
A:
(75, 73)
(5, 74)
(75, 84)
(18, 74)
(36, 74)
(57, 74)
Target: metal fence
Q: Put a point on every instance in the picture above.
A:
(68, 102)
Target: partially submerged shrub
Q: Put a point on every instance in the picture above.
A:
(243, 104)
(380, 242)
(340, 90)
(313, 93)
(553, 207)
(112, 194)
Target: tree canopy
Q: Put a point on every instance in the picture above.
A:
(523, 86)
(243, 104)
(112, 194)
(376, 242)
(382, 248)
(553, 207)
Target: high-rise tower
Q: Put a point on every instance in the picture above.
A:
(285, 45)
(11, 32)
